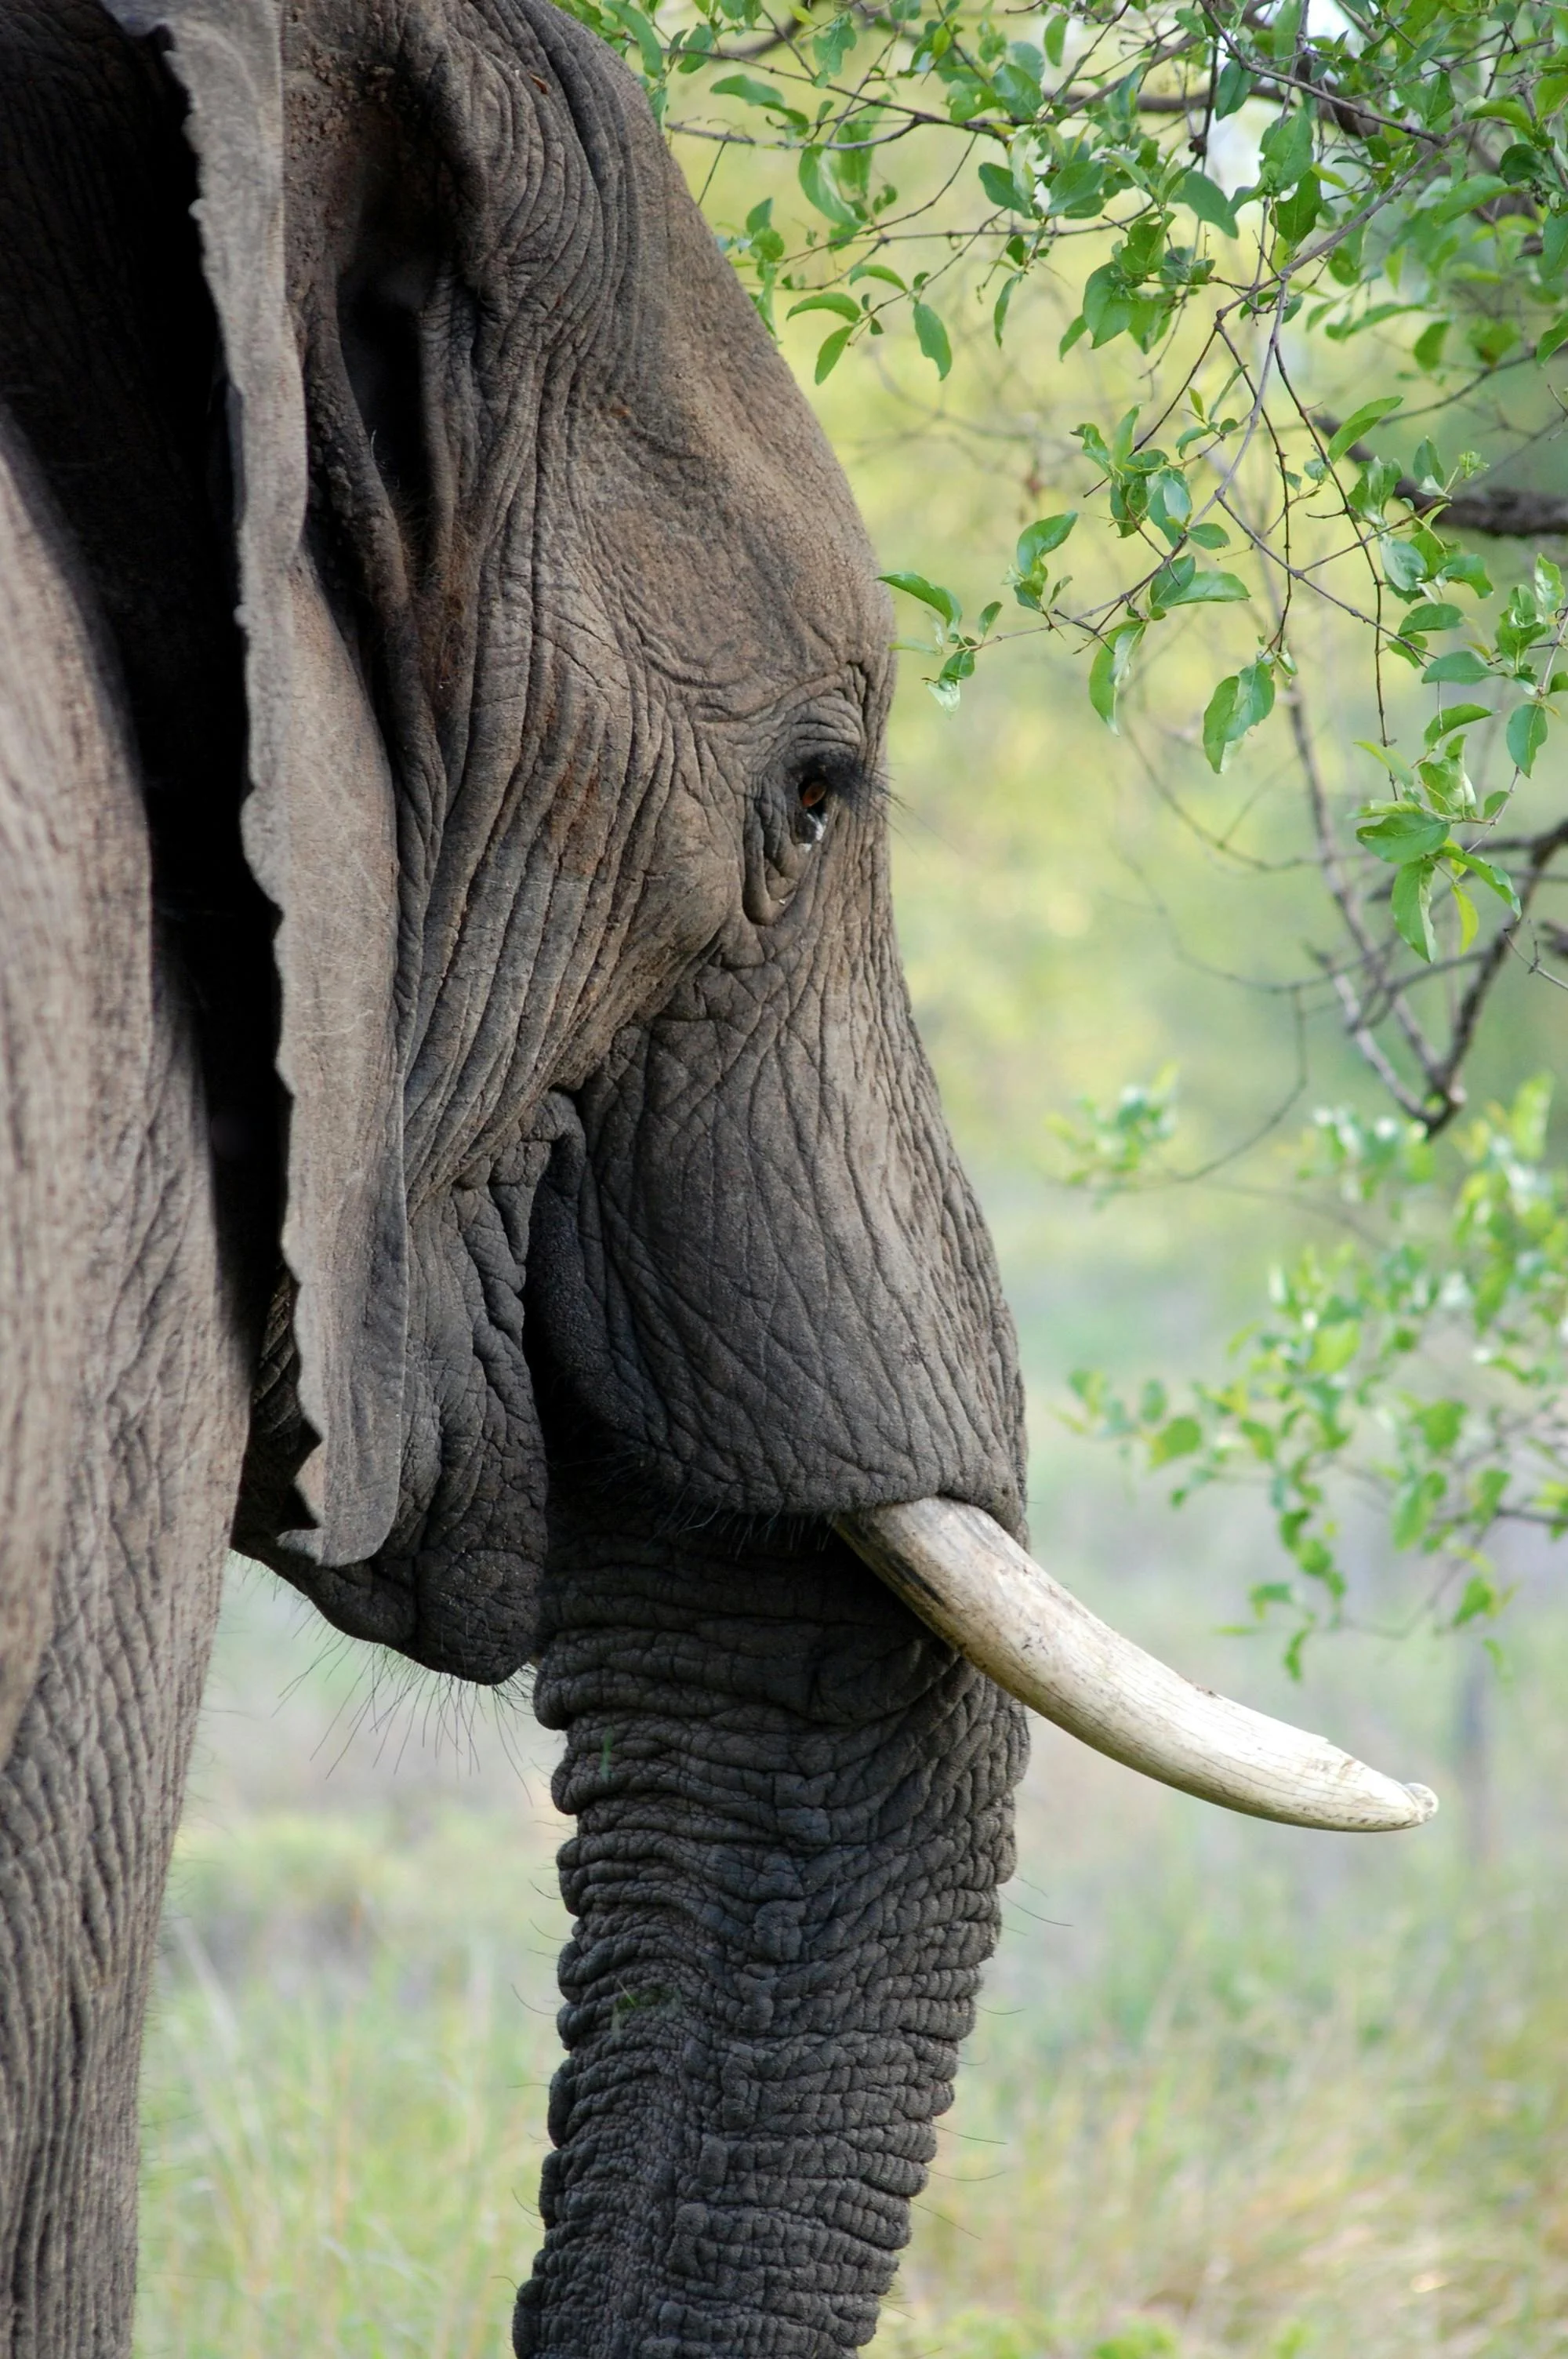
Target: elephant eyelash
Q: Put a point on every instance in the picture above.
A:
(830, 778)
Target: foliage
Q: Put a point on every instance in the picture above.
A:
(1237, 194)
(1417, 1371)
(1329, 253)
(1111, 1145)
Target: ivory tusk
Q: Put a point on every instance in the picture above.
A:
(957, 1568)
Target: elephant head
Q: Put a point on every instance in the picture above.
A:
(567, 677)
(627, 1270)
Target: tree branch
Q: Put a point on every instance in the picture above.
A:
(1500, 511)
(1542, 851)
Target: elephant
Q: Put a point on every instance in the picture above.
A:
(464, 1138)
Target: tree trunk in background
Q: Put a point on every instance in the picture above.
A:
(795, 1808)
(1473, 1724)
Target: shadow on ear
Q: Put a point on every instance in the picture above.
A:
(318, 824)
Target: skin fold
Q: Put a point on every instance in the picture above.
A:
(489, 1057)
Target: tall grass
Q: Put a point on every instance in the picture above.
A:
(344, 2094)
(1277, 2157)
(1233, 2090)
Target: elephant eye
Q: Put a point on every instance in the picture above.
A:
(811, 824)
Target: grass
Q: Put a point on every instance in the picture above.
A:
(1234, 2091)
(339, 2157)
(1271, 2159)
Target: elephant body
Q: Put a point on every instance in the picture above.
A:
(124, 1390)
(461, 1127)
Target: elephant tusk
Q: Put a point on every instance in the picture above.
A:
(957, 1568)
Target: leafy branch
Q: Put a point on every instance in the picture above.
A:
(1417, 1379)
(1334, 253)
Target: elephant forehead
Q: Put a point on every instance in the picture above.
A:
(704, 471)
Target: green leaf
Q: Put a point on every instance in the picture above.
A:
(1108, 303)
(1017, 84)
(1004, 302)
(1170, 503)
(1502, 110)
(759, 93)
(1477, 189)
(930, 593)
(933, 338)
(1177, 1439)
(959, 666)
(1411, 902)
(1077, 190)
(1440, 1422)
(1038, 540)
(1232, 90)
(1433, 617)
(1371, 413)
(820, 191)
(1482, 1597)
(649, 47)
(1123, 435)
(1427, 349)
(830, 352)
(1412, 1510)
(1464, 566)
(1457, 716)
(1237, 704)
(1403, 834)
(1108, 671)
(1551, 339)
(1002, 189)
(844, 305)
(1207, 200)
(1174, 586)
(1295, 216)
(1286, 151)
(833, 44)
(1463, 669)
(1403, 566)
(1497, 880)
(1334, 1346)
(1526, 735)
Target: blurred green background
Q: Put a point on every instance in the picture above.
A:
(1235, 2089)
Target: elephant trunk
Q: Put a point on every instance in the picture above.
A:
(794, 1810)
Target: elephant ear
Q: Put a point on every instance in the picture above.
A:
(319, 822)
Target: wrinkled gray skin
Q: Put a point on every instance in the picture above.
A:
(621, 1241)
